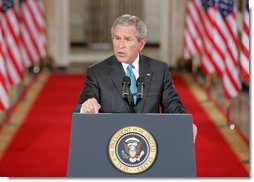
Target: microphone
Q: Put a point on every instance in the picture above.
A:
(140, 87)
(126, 87)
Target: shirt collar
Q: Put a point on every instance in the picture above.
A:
(135, 64)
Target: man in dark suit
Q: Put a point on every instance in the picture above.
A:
(102, 91)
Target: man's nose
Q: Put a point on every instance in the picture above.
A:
(121, 44)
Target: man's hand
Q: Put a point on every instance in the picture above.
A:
(195, 131)
(91, 106)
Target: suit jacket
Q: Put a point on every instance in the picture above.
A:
(104, 82)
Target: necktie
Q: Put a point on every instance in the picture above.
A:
(133, 86)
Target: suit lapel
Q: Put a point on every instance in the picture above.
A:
(117, 73)
(146, 72)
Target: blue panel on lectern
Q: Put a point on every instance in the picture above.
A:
(91, 135)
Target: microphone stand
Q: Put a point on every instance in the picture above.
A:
(128, 96)
(131, 103)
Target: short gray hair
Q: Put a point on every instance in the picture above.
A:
(128, 20)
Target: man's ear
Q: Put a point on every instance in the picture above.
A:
(142, 44)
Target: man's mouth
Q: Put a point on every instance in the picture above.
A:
(121, 53)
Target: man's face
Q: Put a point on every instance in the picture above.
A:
(126, 44)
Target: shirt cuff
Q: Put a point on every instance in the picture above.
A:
(81, 110)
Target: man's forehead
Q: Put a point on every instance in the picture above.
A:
(130, 33)
(129, 27)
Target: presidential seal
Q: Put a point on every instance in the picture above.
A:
(132, 149)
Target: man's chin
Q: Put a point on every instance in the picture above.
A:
(122, 60)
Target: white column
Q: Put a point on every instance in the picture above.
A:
(165, 24)
(172, 27)
(57, 12)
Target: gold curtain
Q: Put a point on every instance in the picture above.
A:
(102, 14)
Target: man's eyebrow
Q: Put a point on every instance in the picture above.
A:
(125, 37)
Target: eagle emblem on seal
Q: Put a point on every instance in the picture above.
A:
(132, 150)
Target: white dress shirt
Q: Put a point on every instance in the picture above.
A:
(135, 69)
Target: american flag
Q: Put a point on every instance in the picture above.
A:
(4, 101)
(208, 14)
(193, 33)
(218, 27)
(226, 41)
(22, 41)
(244, 55)
(11, 37)
(33, 31)
(198, 33)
